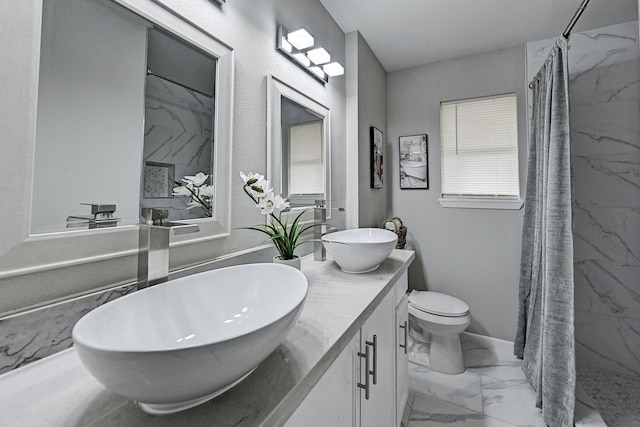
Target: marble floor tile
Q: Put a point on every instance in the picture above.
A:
(485, 362)
(491, 392)
(512, 401)
(463, 389)
(429, 411)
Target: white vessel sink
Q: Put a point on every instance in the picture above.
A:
(360, 250)
(178, 344)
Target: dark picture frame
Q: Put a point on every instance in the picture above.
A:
(414, 162)
(377, 157)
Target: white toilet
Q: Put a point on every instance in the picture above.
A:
(438, 319)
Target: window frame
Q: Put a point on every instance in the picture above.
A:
(471, 201)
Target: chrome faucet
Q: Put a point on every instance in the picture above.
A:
(102, 215)
(321, 228)
(153, 253)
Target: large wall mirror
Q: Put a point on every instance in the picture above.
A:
(127, 90)
(299, 147)
(124, 109)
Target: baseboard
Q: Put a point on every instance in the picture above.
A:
(496, 345)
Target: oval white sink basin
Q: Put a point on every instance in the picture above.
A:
(178, 344)
(360, 250)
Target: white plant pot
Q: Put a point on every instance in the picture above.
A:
(295, 262)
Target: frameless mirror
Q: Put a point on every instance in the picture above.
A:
(108, 81)
(299, 149)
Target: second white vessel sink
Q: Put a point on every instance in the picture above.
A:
(178, 344)
(360, 250)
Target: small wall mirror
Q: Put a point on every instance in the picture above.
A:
(299, 148)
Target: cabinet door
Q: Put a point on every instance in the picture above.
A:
(402, 360)
(377, 335)
(331, 402)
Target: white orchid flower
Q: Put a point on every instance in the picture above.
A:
(206, 191)
(181, 191)
(260, 188)
(280, 202)
(265, 185)
(251, 178)
(266, 203)
(197, 179)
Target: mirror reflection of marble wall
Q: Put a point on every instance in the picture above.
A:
(178, 121)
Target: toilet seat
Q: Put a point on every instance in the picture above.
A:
(438, 304)
(438, 319)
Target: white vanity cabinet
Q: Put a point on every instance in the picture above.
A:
(367, 383)
(402, 358)
(377, 344)
(331, 402)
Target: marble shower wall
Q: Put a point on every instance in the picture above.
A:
(604, 93)
(178, 131)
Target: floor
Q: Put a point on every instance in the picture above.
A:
(492, 392)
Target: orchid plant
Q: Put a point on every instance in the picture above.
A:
(200, 194)
(284, 236)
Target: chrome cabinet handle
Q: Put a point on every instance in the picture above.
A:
(404, 326)
(374, 371)
(367, 385)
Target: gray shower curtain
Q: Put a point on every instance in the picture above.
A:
(545, 339)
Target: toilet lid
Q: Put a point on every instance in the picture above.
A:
(437, 303)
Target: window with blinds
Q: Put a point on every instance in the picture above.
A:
(479, 148)
(306, 166)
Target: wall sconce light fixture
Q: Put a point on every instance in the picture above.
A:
(299, 46)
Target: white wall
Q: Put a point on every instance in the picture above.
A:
(247, 26)
(250, 28)
(368, 98)
(473, 254)
(90, 112)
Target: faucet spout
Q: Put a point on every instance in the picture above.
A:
(153, 253)
(321, 228)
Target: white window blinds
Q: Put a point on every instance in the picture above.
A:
(306, 166)
(479, 147)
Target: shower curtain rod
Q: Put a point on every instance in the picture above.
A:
(160, 76)
(571, 24)
(575, 18)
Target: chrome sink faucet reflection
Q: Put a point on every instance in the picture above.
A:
(153, 252)
(320, 217)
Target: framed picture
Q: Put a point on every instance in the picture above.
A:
(414, 162)
(377, 150)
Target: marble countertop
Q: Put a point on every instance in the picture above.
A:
(59, 391)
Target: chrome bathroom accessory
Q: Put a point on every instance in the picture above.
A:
(101, 216)
(320, 218)
(153, 253)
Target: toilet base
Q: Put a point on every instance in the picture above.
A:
(446, 355)
(436, 353)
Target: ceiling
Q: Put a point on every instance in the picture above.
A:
(408, 33)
